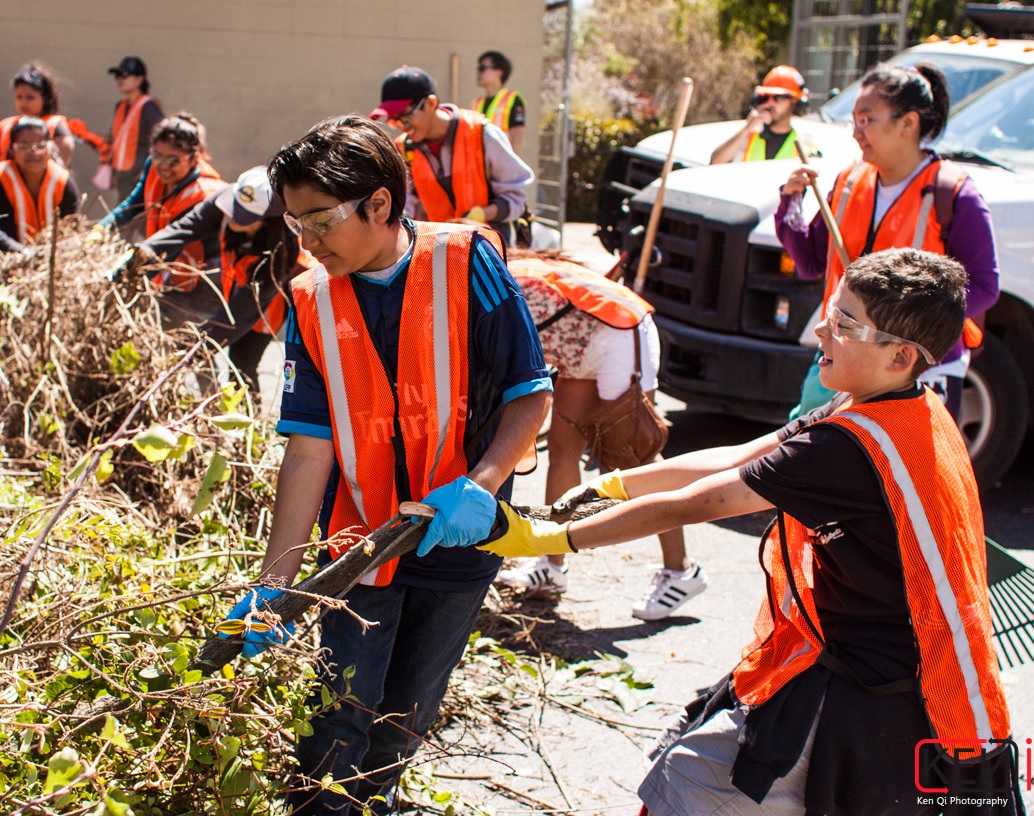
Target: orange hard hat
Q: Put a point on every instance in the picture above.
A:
(783, 79)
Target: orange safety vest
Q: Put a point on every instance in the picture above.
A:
(932, 494)
(125, 133)
(911, 221)
(33, 215)
(432, 381)
(498, 112)
(162, 211)
(7, 124)
(469, 183)
(606, 300)
(236, 273)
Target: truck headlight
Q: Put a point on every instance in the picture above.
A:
(786, 265)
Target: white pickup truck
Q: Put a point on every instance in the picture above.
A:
(737, 327)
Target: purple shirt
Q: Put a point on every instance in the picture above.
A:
(970, 241)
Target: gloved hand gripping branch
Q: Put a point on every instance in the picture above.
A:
(244, 619)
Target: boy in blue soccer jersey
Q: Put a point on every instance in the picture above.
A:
(417, 375)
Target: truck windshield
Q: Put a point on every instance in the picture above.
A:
(965, 73)
(996, 127)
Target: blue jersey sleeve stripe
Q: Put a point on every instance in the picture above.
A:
(287, 427)
(291, 333)
(486, 304)
(523, 389)
(486, 269)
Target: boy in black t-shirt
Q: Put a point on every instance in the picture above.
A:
(873, 648)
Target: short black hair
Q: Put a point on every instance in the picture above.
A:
(913, 294)
(500, 61)
(348, 157)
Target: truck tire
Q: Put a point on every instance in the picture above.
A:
(994, 411)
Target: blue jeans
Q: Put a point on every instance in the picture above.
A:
(402, 666)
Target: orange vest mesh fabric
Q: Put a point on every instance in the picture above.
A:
(898, 227)
(469, 175)
(371, 405)
(933, 496)
(236, 272)
(33, 214)
(608, 301)
(125, 133)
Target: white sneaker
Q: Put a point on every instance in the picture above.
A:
(670, 590)
(538, 576)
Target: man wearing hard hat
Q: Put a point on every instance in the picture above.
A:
(767, 132)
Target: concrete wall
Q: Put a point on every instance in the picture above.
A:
(258, 73)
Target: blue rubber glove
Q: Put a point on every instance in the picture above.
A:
(258, 634)
(466, 513)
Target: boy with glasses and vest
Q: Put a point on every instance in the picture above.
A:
(413, 373)
(462, 167)
(501, 106)
(873, 659)
(768, 131)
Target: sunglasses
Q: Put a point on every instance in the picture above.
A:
(761, 99)
(847, 328)
(170, 160)
(321, 222)
(486, 67)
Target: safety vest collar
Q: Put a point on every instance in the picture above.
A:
(756, 149)
(33, 214)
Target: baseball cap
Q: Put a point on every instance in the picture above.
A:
(782, 79)
(130, 66)
(250, 198)
(401, 88)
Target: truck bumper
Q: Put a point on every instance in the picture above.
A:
(741, 376)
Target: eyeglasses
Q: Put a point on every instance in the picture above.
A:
(847, 328)
(30, 147)
(170, 160)
(323, 221)
(862, 122)
(486, 67)
(403, 119)
(761, 99)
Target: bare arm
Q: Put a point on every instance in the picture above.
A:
(518, 428)
(716, 496)
(516, 134)
(299, 494)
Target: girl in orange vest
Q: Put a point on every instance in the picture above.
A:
(585, 323)
(33, 186)
(136, 114)
(35, 94)
(176, 178)
(888, 200)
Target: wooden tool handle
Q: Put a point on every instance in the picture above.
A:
(827, 213)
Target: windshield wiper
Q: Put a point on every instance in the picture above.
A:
(974, 156)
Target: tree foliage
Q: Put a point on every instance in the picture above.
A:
(763, 23)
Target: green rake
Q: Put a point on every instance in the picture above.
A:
(1011, 585)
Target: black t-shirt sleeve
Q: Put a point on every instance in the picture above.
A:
(70, 200)
(517, 112)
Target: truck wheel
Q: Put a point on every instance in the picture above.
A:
(994, 411)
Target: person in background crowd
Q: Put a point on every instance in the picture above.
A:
(461, 165)
(893, 198)
(408, 326)
(585, 323)
(501, 106)
(36, 94)
(768, 131)
(136, 114)
(259, 255)
(176, 177)
(34, 187)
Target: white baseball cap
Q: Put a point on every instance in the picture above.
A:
(250, 198)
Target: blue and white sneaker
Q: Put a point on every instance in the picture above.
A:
(669, 591)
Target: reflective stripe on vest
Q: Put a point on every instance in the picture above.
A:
(911, 221)
(756, 148)
(920, 457)
(33, 215)
(498, 110)
(608, 301)
(125, 133)
(432, 386)
(236, 273)
(468, 177)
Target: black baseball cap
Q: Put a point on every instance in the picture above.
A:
(130, 66)
(401, 88)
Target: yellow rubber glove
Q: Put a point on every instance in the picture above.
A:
(604, 486)
(476, 214)
(95, 237)
(515, 536)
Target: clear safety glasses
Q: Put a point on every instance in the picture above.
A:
(847, 328)
(321, 222)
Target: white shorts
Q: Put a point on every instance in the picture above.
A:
(610, 359)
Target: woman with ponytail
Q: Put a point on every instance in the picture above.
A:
(900, 194)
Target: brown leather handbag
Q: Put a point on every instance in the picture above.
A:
(626, 432)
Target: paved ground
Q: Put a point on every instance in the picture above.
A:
(563, 761)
